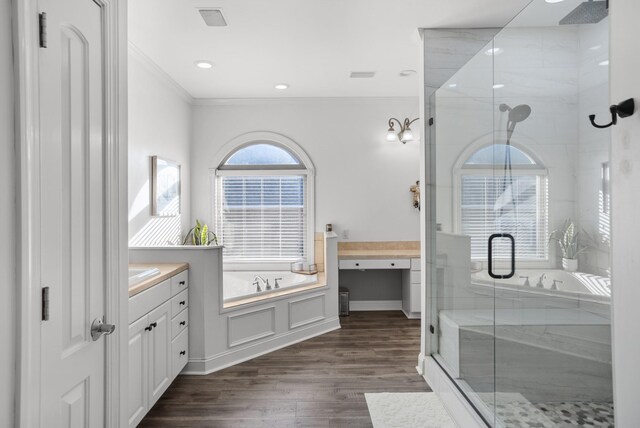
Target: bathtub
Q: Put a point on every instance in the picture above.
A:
(239, 285)
(574, 284)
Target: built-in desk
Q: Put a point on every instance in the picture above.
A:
(404, 255)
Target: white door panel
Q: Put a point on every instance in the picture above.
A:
(159, 351)
(72, 201)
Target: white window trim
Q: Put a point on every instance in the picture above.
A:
(460, 170)
(309, 171)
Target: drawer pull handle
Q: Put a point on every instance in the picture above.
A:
(183, 323)
(393, 264)
(183, 352)
(357, 264)
(183, 302)
(182, 283)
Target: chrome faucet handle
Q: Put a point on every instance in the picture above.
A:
(276, 285)
(540, 284)
(526, 281)
(554, 286)
(268, 285)
(258, 289)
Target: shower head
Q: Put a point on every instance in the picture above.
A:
(518, 113)
(589, 12)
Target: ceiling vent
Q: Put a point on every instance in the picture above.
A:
(213, 17)
(362, 74)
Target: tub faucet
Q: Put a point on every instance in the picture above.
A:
(554, 286)
(540, 284)
(276, 285)
(526, 281)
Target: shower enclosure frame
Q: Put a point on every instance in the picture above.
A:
(445, 52)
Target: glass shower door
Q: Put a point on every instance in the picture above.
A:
(552, 331)
(462, 313)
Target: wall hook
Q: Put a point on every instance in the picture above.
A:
(625, 109)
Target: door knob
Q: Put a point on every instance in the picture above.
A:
(98, 328)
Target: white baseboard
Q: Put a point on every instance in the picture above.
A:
(459, 408)
(375, 305)
(236, 356)
(412, 315)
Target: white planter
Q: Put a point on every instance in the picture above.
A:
(570, 265)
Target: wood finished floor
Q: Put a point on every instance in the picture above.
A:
(317, 383)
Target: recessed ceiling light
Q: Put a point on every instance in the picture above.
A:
(281, 86)
(453, 85)
(554, 1)
(406, 73)
(498, 86)
(204, 64)
(494, 51)
(603, 63)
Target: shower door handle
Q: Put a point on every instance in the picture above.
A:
(513, 255)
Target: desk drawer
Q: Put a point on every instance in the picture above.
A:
(375, 264)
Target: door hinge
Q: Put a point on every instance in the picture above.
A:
(43, 29)
(432, 329)
(45, 303)
(430, 121)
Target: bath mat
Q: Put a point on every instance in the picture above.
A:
(408, 409)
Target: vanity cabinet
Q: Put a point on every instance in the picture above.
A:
(411, 290)
(158, 342)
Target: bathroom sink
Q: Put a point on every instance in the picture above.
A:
(137, 275)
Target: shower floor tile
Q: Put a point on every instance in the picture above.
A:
(523, 414)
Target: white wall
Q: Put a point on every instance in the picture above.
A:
(625, 161)
(362, 181)
(7, 221)
(159, 124)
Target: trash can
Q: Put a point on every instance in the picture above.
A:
(343, 302)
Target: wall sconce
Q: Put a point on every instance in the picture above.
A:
(404, 135)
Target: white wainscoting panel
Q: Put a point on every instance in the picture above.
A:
(307, 310)
(252, 325)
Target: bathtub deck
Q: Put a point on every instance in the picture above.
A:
(317, 383)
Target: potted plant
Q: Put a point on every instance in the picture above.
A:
(571, 244)
(200, 235)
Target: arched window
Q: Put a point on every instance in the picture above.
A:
(263, 209)
(503, 188)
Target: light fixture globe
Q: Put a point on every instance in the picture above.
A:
(406, 135)
(391, 134)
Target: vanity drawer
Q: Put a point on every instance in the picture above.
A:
(179, 353)
(179, 282)
(179, 303)
(375, 264)
(148, 300)
(179, 323)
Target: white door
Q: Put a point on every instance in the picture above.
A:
(72, 214)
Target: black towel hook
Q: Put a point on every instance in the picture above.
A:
(625, 109)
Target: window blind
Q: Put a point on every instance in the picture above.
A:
(262, 218)
(494, 204)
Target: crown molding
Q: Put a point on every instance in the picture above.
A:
(295, 100)
(159, 73)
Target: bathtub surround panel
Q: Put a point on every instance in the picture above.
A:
(8, 224)
(159, 125)
(307, 310)
(220, 337)
(344, 137)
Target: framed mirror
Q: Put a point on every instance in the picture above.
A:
(165, 187)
